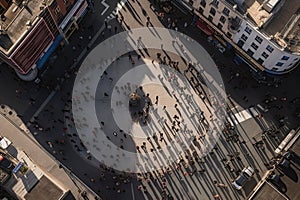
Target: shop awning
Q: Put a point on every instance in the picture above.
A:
(204, 27)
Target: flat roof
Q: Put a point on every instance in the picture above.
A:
(15, 24)
(44, 190)
(281, 22)
(267, 192)
(256, 12)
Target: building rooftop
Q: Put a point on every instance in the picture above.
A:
(255, 11)
(266, 192)
(45, 190)
(279, 19)
(17, 21)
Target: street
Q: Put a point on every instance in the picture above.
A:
(46, 108)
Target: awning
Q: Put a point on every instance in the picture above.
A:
(70, 14)
(204, 27)
(48, 53)
(81, 10)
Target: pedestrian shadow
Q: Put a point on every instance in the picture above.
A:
(134, 14)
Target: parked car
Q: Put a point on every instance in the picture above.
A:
(5, 163)
(209, 39)
(221, 48)
(245, 175)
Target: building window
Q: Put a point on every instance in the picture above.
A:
(285, 58)
(274, 69)
(220, 26)
(229, 34)
(249, 52)
(191, 2)
(215, 3)
(226, 11)
(203, 3)
(241, 43)
(296, 59)
(66, 2)
(265, 55)
(222, 19)
(53, 5)
(279, 64)
(258, 39)
(57, 11)
(254, 46)
(210, 18)
(244, 37)
(212, 11)
(270, 49)
(260, 61)
(201, 10)
(248, 30)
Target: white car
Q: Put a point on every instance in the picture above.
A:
(221, 48)
(245, 175)
(262, 108)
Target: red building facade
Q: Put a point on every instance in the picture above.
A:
(35, 32)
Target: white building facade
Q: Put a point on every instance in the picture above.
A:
(263, 50)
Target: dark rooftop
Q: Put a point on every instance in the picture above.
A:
(45, 190)
(267, 192)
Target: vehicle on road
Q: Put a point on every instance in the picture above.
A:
(262, 108)
(5, 163)
(277, 182)
(245, 175)
(221, 48)
(284, 163)
(292, 156)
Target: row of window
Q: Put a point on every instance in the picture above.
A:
(265, 55)
(244, 37)
(215, 3)
(258, 39)
(57, 9)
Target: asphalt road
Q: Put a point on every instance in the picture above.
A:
(27, 98)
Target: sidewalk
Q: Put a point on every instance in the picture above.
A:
(40, 158)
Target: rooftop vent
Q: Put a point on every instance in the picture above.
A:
(269, 5)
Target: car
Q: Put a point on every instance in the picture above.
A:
(221, 48)
(262, 108)
(284, 163)
(209, 39)
(5, 163)
(245, 175)
(292, 157)
(276, 181)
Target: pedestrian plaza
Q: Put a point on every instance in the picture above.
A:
(180, 123)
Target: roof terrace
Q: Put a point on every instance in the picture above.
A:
(277, 18)
(16, 21)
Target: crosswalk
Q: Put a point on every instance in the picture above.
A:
(118, 8)
(238, 117)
